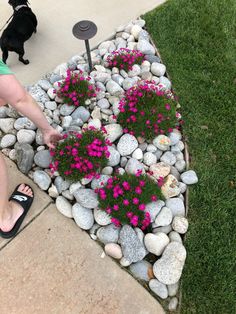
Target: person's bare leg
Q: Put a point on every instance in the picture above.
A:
(9, 211)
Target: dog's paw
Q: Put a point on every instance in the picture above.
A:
(24, 61)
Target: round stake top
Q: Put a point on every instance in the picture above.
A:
(84, 30)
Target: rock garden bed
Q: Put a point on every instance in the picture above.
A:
(120, 171)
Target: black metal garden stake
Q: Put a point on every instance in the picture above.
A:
(85, 30)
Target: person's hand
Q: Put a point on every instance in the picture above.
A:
(51, 136)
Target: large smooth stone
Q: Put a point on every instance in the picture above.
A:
(189, 177)
(142, 270)
(101, 217)
(86, 198)
(113, 250)
(180, 224)
(64, 206)
(24, 157)
(168, 269)
(108, 234)
(114, 158)
(154, 208)
(158, 288)
(114, 131)
(133, 250)
(43, 158)
(83, 216)
(156, 243)
(127, 144)
(171, 187)
(42, 179)
(160, 170)
(176, 205)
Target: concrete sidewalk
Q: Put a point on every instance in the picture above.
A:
(52, 266)
(54, 42)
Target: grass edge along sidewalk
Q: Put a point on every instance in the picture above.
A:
(196, 42)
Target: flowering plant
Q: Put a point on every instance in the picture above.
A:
(125, 197)
(80, 155)
(147, 110)
(75, 89)
(124, 58)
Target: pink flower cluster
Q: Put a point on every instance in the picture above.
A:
(72, 157)
(75, 89)
(140, 107)
(124, 201)
(96, 149)
(124, 58)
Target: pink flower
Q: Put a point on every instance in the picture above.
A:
(138, 190)
(138, 172)
(103, 196)
(74, 152)
(110, 181)
(135, 201)
(116, 207)
(126, 185)
(153, 198)
(160, 181)
(134, 220)
(142, 183)
(129, 214)
(108, 210)
(167, 107)
(115, 221)
(126, 202)
(142, 207)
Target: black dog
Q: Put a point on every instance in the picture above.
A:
(20, 29)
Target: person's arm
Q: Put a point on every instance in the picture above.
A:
(13, 93)
(28, 107)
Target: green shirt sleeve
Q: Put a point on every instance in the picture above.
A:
(4, 68)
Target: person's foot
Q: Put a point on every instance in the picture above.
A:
(14, 210)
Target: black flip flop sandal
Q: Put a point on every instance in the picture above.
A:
(25, 202)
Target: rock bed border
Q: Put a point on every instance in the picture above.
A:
(186, 196)
(186, 158)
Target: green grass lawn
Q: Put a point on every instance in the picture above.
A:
(196, 40)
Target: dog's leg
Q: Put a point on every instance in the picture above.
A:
(21, 53)
(4, 55)
(25, 61)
